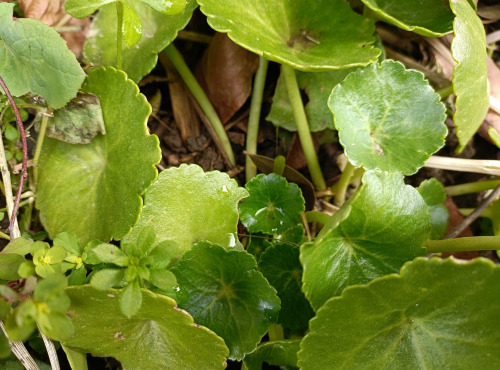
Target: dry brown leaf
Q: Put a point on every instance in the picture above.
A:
(49, 12)
(225, 73)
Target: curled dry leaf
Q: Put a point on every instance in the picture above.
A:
(48, 11)
(225, 73)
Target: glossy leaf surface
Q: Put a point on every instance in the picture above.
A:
(307, 35)
(159, 30)
(436, 314)
(388, 118)
(94, 190)
(274, 204)
(34, 58)
(224, 291)
(470, 81)
(427, 17)
(187, 205)
(159, 336)
(281, 266)
(278, 353)
(382, 226)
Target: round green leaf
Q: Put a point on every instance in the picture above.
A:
(470, 79)
(308, 35)
(94, 190)
(224, 291)
(187, 205)
(426, 17)
(34, 58)
(434, 195)
(159, 336)
(388, 118)
(281, 266)
(159, 30)
(274, 205)
(382, 226)
(438, 314)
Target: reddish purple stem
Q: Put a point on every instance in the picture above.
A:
(24, 170)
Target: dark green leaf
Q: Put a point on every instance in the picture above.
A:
(257, 244)
(34, 58)
(278, 353)
(274, 205)
(427, 17)
(158, 336)
(77, 276)
(383, 225)
(223, 290)
(440, 314)
(388, 118)
(281, 266)
(308, 35)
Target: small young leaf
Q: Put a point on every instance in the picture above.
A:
(107, 278)
(426, 17)
(187, 205)
(388, 118)
(382, 226)
(132, 27)
(274, 205)
(109, 253)
(164, 279)
(34, 58)
(168, 338)
(163, 253)
(146, 239)
(224, 291)
(437, 313)
(281, 266)
(51, 288)
(69, 242)
(278, 353)
(77, 276)
(434, 195)
(308, 35)
(55, 325)
(470, 79)
(257, 245)
(131, 299)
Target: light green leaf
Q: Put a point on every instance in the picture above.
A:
(146, 239)
(55, 325)
(308, 35)
(281, 266)
(224, 291)
(34, 58)
(109, 253)
(79, 122)
(470, 80)
(77, 360)
(164, 279)
(426, 17)
(438, 314)
(187, 205)
(97, 190)
(132, 27)
(21, 246)
(274, 204)
(385, 224)
(69, 242)
(84, 8)
(170, 7)
(388, 118)
(9, 266)
(278, 353)
(317, 86)
(131, 299)
(160, 335)
(163, 253)
(107, 278)
(159, 30)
